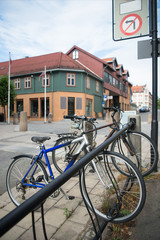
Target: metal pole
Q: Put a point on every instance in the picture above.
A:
(9, 73)
(154, 124)
(45, 96)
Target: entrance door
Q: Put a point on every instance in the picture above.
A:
(71, 106)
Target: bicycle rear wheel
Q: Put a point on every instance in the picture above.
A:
(142, 150)
(16, 171)
(112, 195)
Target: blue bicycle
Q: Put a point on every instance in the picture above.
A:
(114, 195)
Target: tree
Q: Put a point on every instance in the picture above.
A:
(4, 93)
(158, 103)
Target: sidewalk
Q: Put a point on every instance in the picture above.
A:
(58, 226)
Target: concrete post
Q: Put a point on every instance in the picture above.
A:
(138, 121)
(136, 140)
(15, 119)
(50, 118)
(23, 121)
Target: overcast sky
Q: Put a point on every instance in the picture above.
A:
(38, 27)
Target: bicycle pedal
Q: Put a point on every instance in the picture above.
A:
(71, 197)
(39, 178)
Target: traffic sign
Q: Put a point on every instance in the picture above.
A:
(131, 24)
(130, 19)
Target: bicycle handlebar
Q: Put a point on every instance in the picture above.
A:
(115, 109)
(83, 118)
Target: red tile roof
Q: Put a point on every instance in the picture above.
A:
(30, 65)
(138, 88)
(87, 53)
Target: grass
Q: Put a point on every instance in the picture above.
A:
(67, 212)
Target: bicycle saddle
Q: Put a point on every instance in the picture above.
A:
(40, 139)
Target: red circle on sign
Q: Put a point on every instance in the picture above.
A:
(131, 24)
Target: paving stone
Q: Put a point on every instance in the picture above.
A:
(13, 234)
(69, 230)
(55, 217)
(28, 235)
(69, 204)
(80, 215)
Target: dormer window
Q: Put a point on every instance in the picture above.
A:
(114, 66)
(120, 71)
(75, 54)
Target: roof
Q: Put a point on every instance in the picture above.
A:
(111, 60)
(138, 88)
(87, 53)
(36, 64)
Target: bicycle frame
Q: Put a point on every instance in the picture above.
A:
(83, 142)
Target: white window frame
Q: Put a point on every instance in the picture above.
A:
(88, 83)
(17, 83)
(75, 54)
(97, 86)
(27, 82)
(71, 80)
(47, 80)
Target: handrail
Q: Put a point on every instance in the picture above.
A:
(12, 218)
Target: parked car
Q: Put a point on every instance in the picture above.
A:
(144, 109)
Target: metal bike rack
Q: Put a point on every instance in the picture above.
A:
(11, 219)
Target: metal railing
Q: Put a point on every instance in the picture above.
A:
(11, 219)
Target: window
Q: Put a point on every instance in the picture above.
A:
(88, 83)
(79, 103)
(17, 83)
(106, 77)
(34, 107)
(114, 81)
(97, 86)
(114, 66)
(117, 83)
(71, 80)
(110, 79)
(63, 102)
(43, 107)
(75, 54)
(47, 81)
(88, 107)
(27, 82)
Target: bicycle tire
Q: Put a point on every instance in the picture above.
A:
(16, 171)
(112, 195)
(61, 156)
(144, 152)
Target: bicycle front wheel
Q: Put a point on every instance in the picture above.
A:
(62, 156)
(112, 195)
(139, 148)
(17, 191)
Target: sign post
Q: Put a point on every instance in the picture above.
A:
(130, 20)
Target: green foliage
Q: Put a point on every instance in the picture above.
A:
(67, 212)
(158, 103)
(4, 92)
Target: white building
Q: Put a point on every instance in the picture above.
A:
(141, 96)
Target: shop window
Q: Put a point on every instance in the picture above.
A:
(34, 107)
(88, 107)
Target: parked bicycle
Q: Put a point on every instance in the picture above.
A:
(135, 145)
(114, 195)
